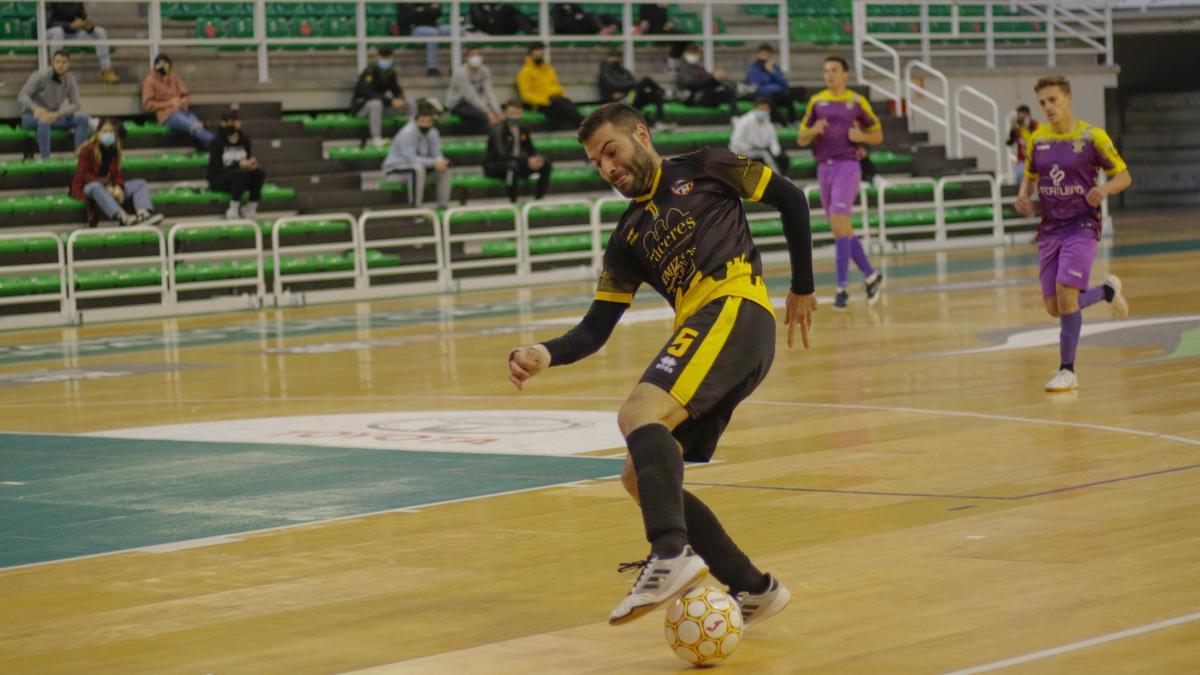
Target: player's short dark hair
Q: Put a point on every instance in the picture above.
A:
(384, 51)
(514, 103)
(622, 116)
(766, 47)
(1023, 108)
(838, 59)
(534, 46)
(61, 52)
(1059, 81)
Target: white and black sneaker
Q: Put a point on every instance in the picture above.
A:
(759, 606)
(874, 288)
(1118, 304)
(661, 580)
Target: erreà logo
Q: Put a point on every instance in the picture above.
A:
(1057, 175)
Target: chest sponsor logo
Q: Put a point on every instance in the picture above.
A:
(682, 187)
(1057, 176)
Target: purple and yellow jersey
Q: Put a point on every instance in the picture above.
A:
(1063, 166)
(840, 112)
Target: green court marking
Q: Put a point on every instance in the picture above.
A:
(1189, 346)
(68, 496)
(254, 330)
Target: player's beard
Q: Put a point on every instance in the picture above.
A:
(641, 172)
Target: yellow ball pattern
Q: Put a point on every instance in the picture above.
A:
(704, 626)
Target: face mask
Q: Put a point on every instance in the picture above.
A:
(228, 130)
(163, 69)
(761, 115)
(385, 63)
(107, 138)
(424, 130)
(692, 58)
(475, 61)
(538, 62)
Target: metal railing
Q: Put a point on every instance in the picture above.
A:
(254, 252)
(278, 250)
(939, 113)
(58, 268)
(458, 39)
(987, 124)
(883, 80)
(405, 239)
(463, 251)
(590, 227)
(74, 266)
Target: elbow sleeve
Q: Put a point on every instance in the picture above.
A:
(588, 336)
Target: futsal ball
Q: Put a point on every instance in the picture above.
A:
(704, 626)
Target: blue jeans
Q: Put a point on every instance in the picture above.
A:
(185, 122)
(135, 190)
(431, 49)
(78, 121)
(58, 34)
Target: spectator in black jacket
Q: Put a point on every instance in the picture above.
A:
(653, 20)
(233, 168)
(69, 21)
(497, 19)
(616, 82)
(422, 20)
(511, 155)
(704, 88)
(378, 93)
(572, 19)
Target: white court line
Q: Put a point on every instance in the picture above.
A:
(1111, 637)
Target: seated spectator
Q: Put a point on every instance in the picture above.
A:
(69, 20)
(165, 95)
(470, 95)
(416, 151)
(378, 93)
(422, 20)
(703, 88)
(653, 19)
(50, 100)
(511, 155)
(572, 19)
(754, 136)
(772, 86)
(1023, 126)
(497, 19)
(233, 168)
(99, 182)
(865, 164)
(616, 82)
(538, 85)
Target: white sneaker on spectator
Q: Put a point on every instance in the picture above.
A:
(232, 212)
(145, 217)
(125, 219)
(249, 210)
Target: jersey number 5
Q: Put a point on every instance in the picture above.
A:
(683, 342)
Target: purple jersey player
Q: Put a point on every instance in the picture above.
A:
(1061, 164)
(836, 121)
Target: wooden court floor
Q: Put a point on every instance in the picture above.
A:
(359, 488)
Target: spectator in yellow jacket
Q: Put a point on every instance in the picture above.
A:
(538, 84)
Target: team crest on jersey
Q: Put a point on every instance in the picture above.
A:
(849, 104)
(1077, 145)
(682, 187)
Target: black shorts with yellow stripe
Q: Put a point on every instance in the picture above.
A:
(713, 361)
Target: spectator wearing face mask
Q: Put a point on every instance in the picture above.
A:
(233, 168)
(770, 84)
(423, 19)
(165, 95)
(69, 21)
(511, 155)
(754, 136)
(704, 88)
(416, 152)
(538, 84)
(616, 81)
(378, 93)
(99, 182)
(50, 100)
(470, 95)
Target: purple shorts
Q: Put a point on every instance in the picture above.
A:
(1066, 260)
(839, 181)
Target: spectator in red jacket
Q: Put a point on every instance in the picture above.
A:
(98, 180)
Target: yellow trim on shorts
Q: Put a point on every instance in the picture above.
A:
(706, 354)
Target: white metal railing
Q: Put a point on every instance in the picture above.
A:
(404, 238)
(278, 250)
(472, 245)
(603, 227)
(882, 183)
(58, 268)
(74, 266)
(863, 203)
(987, 124)
(254, 252)
(589, 227)
(938, 112)
(883, 79)
(458, 40)
(988, 29)
(995, 216)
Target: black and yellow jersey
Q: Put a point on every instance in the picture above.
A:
(688, 238)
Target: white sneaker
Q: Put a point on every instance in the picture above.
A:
(249, 210)
(126, 219)
(1119, 306)
(1063, 380)
(661, 580)
(759, 606)
(145, 217)
(232, 212)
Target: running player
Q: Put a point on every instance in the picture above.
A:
(1061, 164)
(685, 235)
(835, 122)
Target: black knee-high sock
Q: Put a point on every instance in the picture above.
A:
(725, 560)
(659, 466)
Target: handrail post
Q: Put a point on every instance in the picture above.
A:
(707, 32)
(360, 34)
(1051, 57)
(785, 56)
(260, 35)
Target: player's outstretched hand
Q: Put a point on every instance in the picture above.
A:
(1095, 197)
(525, 362)
(1023, 206)
(800, 309)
